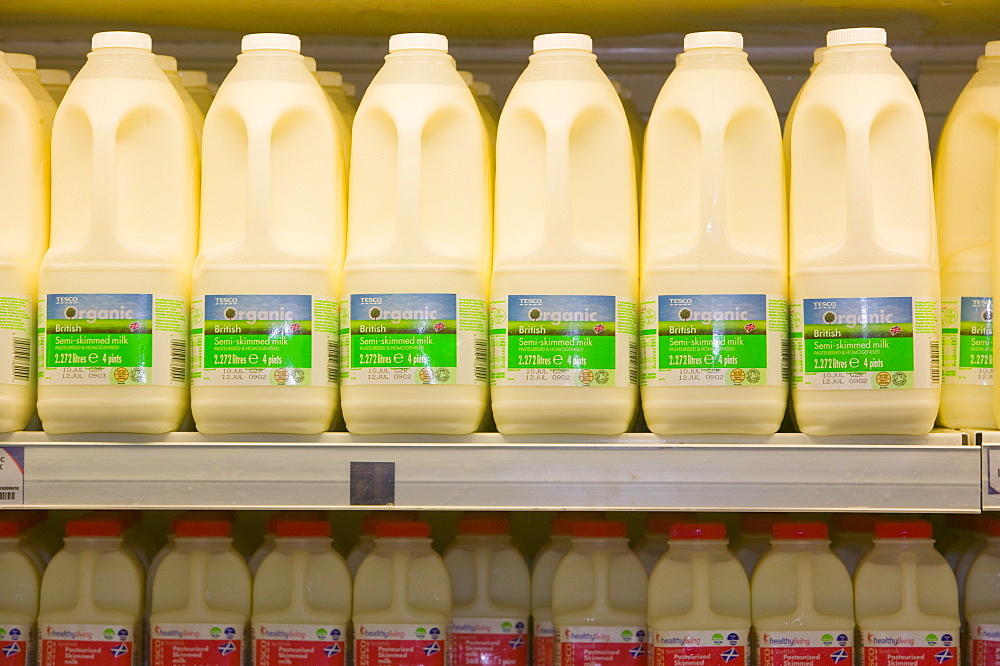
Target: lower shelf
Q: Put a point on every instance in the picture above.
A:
(784, 472)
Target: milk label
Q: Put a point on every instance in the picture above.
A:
(714, 340)
(542, 644)
(91, 644)
(805, 648)
(985, 642)
(700, 648)
(865, 343)
(282, 340)
(489, 642)
(909, 648)
(299, 644)
(400, 644)
(182, 644)
(563, 341)
(15, 338)
(967, 340)
(17, 645)
(414, 339)
(117, 339)
(607, 646)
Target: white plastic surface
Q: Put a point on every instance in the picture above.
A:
(563, 40)
(122, 39)
(271, 40)
(853, 36)
(713, 39)
(418, 40)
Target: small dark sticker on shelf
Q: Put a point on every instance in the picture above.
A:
(993, 465)
(373, 483)
(12, 475)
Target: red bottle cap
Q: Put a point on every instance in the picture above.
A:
(693, 531)
(916, 529)
(408, 529)
(302, 529)
(800, 531)
(9, 529)
(484, 525)
(202, 529)
(373, 519)
(599, 529)
(93, 527)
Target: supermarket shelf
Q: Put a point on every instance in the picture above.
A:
(989, 442)
(791, 472)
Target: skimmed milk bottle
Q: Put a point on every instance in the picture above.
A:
(906, 600)
(491, 594)
(863, 263)
(982, 602)
(967, 187)
(201, 599)
(714, 310)
(114, 285)
(302, 599)
(267, 278)
(699, 600)
(413, 336)
(599, 599)
(19, 583)
(565, 265)
(802, 600)
(402, 600)
(91, 599)
(24, 232)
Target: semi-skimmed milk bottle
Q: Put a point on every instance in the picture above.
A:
(302, 599)
(565, 265)
(24, 66)
(114, 285)
(402, 600)
(267, 278)
(863, 275)
(906, 600)
(967, 190)
(366, 539)
(599, 599)
(169, 66)
(24, 232)
(982, 602)
(699, 600)
(413, 312)
(196, 83)
(713, 310)
(55, 82)
(91, 604)
(491, 594)
(19, 583)
(332, 84)
(802, 600)
(201, 599)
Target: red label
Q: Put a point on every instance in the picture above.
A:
(910, 656)
(85, 653)
(298, 653)
(603, 654)
(368, 652)
(985, 653)
(203, 652)
(16, 641)
(701, 655)
(489, 650)
(542, 647)
(806, 656)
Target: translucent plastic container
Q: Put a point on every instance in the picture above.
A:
(853, 534)
(19, 584)
(366, 540)
(24, 66)
(169, 66)
(657, 537)
(754, 538)
(196, 83)
(55, 81)
(982, 602)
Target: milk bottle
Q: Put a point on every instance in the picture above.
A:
(413, 344)
(863, 271)
(906, 599)
(982, 602)
(91, 599)
(201, 598)
(24, 66)
(657, 538)
(755, 538)
(853, 538)
(402, 600)
(967, 183)
(802, 600)
(267, 279)
(714, 303)
(366, 540)
(486, 101)
(351, 91)
(565, 266)
(266, 545)
(24, 232)
(115, 283)
(169, 66)
(302, 599)
(699, 600)
(599, 599)
(491, 594)
(196, 83)
(55, 82)
(330, 83)
(636, 127)
(489, 120)
(542, 575)
(19, 582)
(786, 132)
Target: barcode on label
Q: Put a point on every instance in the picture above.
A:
(178, 361)
(633, 363)
(786, 359)
(332, 360)
(21, 366)
(7, 496)
(482, 361)
(935, 361)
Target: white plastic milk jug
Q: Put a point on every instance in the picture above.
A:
(169, 66)
(196, 83)
(55, 82)
(982, 602)
(19, 583)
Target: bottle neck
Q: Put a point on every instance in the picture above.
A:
(121, 54)
(76, 544)
(563, 55)
(311, 544)
(716, 56)
(271, 55)
(429, 56)
(701, 545)
(800, 544)
(215, 544)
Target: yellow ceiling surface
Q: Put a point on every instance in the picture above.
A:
(914, 20)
